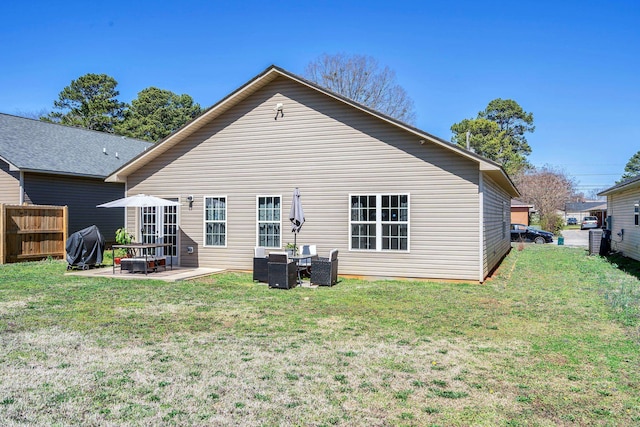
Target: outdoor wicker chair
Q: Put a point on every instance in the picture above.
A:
(260, 265)
(304, 264)
(283, 272)
(324, 271)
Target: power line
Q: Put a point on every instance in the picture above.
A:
(596, 174)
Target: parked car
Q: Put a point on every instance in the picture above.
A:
(522, 233)
(589, 222)
(572, 221)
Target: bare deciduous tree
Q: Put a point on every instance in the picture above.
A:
(32, 114)
(361, 79)
(548, 189)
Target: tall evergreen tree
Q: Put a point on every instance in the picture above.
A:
(157, 113)
(89, 102)
(632, 169)
(498, 133)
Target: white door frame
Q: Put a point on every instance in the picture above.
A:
(163, 228)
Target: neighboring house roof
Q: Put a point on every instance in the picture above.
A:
(516, 203)
(270, 74)
(629, 184)
(36, 146)
(586, 206)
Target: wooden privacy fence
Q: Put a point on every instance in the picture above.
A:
(32, 232)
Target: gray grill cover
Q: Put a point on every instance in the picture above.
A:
(85, 247)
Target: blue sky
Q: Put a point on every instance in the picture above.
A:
(574, 64)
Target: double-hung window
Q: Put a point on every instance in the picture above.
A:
(379, 222)
(636, 212)
(269, 223)
(215, 221)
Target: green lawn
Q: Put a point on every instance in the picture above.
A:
(572, 227)
(553, 339)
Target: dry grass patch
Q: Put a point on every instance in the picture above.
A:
(230, 381)
(537, 345)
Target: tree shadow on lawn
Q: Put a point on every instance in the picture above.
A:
(628, 265)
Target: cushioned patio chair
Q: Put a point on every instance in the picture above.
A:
(260, 265)
(324, 271)
(304, 264)
(283, 272)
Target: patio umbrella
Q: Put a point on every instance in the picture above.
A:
(139, 201)
(296, 216)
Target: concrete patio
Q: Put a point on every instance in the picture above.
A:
(175, 275)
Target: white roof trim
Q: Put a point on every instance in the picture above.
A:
(629, 184)
(261, 80)
(12, 167)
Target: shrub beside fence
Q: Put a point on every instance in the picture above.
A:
(32, 232)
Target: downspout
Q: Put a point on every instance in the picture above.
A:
(126, 190)
(480, 227)
(21, 188)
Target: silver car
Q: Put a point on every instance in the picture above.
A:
(589, 222)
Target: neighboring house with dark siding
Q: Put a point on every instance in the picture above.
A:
(394, 200)
(49, 164)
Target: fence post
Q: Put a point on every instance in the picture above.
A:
(65, 230)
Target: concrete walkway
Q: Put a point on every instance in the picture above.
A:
(579, 238)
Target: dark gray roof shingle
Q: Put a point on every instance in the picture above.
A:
(48, 147)
(586, 206)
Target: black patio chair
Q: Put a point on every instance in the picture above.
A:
(283, 273)
(260, 265)
(324, 271)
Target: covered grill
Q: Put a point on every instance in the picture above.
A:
(85, 248)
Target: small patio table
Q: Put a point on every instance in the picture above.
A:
(297, 259)
(138, 248)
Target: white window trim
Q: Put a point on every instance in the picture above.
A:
(636, 214)
(204, 220)
(379, 222)
(257, 207)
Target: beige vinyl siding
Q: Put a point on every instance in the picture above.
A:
(9, 185)
(620, 206)
(496, 225)
(132, 220)
(81, 195)
(328, 150)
